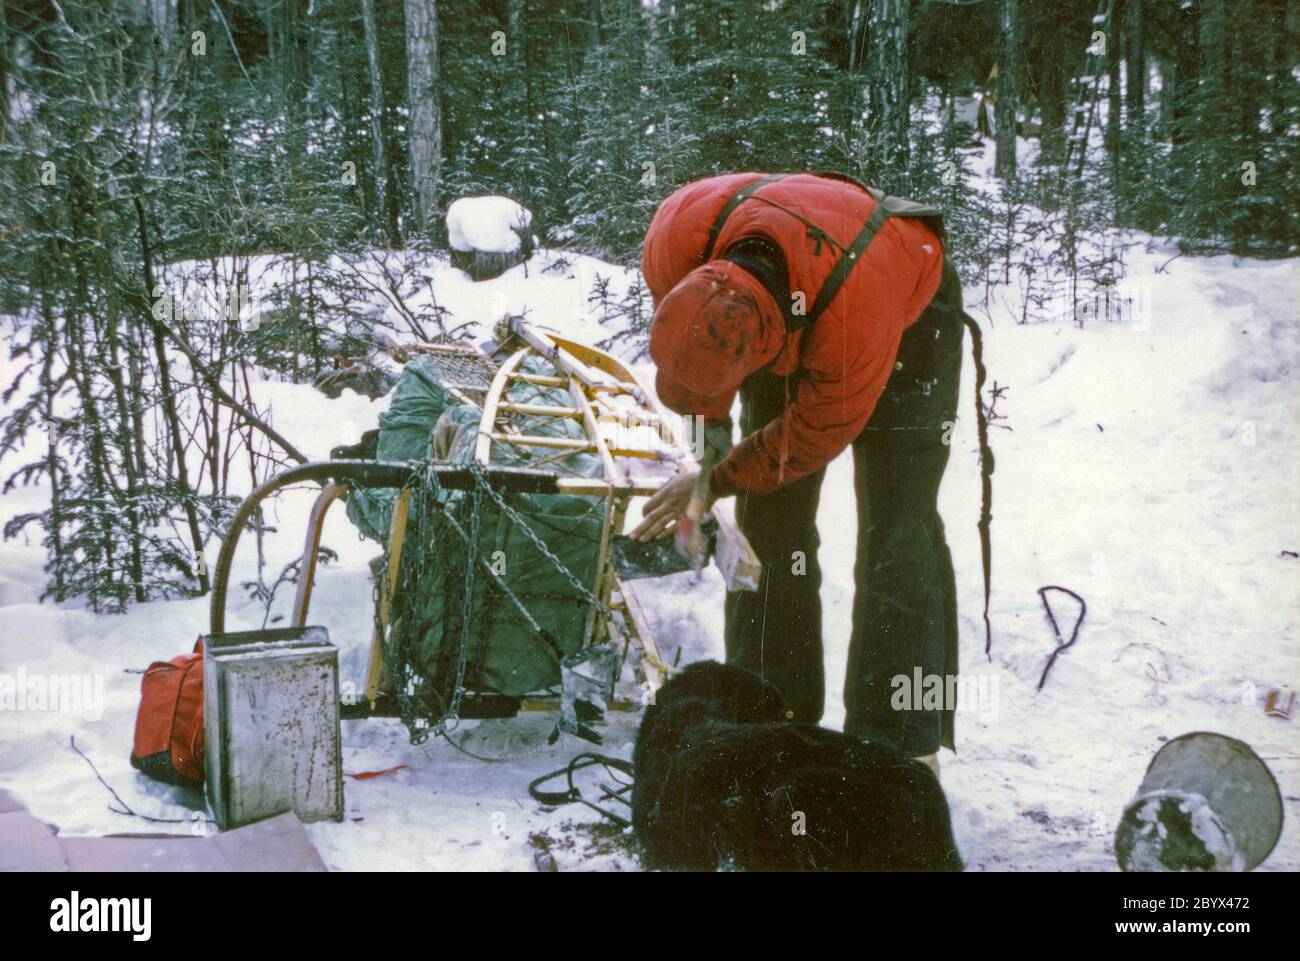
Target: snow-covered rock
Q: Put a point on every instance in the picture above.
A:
(493, 225)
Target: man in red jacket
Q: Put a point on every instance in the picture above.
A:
(832, 312)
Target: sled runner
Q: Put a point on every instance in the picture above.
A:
(498, 574)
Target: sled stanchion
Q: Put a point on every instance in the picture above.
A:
(655, 668)
(615, 507)
(565, 360)
(396, 537)
(741, 569)
(307, 565)
(613, 473)
(319, 471)
(370, 473)
(483, 446)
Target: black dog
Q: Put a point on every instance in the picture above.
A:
(723, 781)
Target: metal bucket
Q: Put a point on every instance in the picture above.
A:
(271, 725)
(1207, 803)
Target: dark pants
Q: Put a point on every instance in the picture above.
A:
(904, 605)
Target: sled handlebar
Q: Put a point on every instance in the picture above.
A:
(370, 474)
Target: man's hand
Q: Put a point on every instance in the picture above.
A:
(667, 504)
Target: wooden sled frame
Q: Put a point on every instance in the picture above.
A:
(338, 477)
(600, 376)
(603, 391)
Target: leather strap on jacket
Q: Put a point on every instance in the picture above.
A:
(737, 199)
(839, 273)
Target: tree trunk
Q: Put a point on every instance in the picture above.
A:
(1114, 95)
(517, 30)
(1215, 47)
(1008, 92)
(95, 273)
(888, 92)
(50, 390)
(425, 147)
(853, 20)
(1283, 51)
(4, 74)
(378, 145)
(1247, 60)
(1186, 73)
(1135, 55)
(845, 106)
(99, 481)
(521, 79)
(169, 405)
(295, 40)
(1051, 101)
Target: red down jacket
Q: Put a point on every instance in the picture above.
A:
(845, 359)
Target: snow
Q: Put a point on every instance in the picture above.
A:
(487, 224)
(1205, 828)
(1149, 465)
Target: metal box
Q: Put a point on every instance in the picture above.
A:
(271, 725)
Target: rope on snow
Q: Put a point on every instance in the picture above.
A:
(1061, 645)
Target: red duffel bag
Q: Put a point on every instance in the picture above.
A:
(169, 726)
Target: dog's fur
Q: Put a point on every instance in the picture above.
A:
(723, 781)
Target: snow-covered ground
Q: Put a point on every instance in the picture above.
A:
(1149, 465)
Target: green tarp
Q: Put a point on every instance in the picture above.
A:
(505, 655)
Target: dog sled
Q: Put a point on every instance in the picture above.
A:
(540, 443)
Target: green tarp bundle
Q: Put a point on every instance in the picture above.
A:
(503, 654)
